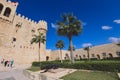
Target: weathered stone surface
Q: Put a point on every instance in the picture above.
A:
(111, 50)
(16, 32)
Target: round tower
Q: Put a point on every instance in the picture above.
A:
(42, 28)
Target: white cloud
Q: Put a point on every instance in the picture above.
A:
(86, 44)
(106, 27)
(117, 21)
(53, 25)
(114, 39)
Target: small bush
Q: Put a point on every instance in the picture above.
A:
(111, 66)
(50, 66)
(112, 58)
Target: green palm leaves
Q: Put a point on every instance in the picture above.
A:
(38, 38)
(69, 26)
(60, 44)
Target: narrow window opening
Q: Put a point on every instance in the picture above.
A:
(7, 12)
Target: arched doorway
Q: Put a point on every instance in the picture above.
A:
(110, 55)
(76, 57)
(84, 56)
(80, 57)
(67, 56)
(98, 56)
(47, 58)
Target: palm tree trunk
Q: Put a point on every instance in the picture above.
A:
(71, 49)
(61, 56)
(39, 52)
(88, 54)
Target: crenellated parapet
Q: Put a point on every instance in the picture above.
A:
(42, 24)
(39, 25)
(26, 19)
(8, 13)
(11, 3)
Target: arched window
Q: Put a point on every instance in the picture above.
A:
(84, 56)
(110, 55)
(47, 58)
(80, 57)
(98, 56)
(7, 12)
(67, 56)
(76, 56)
(1, 7)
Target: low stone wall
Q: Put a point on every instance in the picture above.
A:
(37, 76)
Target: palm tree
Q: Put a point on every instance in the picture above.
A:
(88, 53)
(40, 38)
(60, 45)
(70, 26)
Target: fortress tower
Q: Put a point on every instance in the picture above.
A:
(8, 10)
(16, 32)
(42, 27)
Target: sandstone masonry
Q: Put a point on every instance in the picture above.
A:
(16, 32)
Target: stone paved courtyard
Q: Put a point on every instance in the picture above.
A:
(10, 78)
(15, 73)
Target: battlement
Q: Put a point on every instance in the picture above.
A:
(8, 12)
(26, 18)
(41, 24)
(11, 3)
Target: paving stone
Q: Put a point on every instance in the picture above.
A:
(11, 78)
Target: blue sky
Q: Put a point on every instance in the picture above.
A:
(101, 19)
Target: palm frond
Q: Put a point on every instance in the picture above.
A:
(60, 24)
(33, 40)
(38, 38)
(71, 27)
(71, 18)
(64, 16)
(60, 44)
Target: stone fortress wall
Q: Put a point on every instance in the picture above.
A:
(16, 32)
(101, 51)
